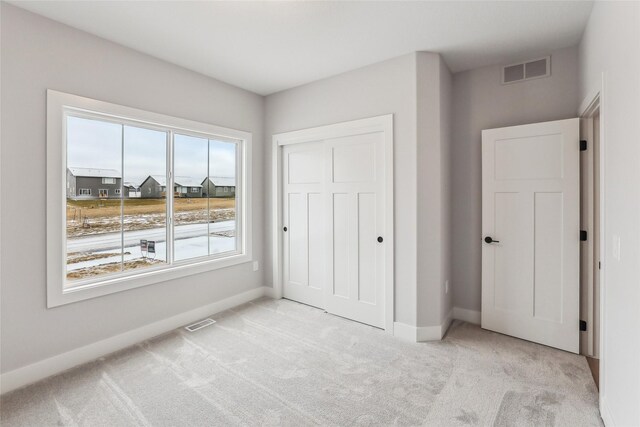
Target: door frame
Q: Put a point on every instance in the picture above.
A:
(382, 124)
(586, 208)
(595, 100)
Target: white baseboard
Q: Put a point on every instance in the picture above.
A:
(605, 413)
(421, 333)
(269, 292)
(54, 365)
(447, 322)
(405, 332)
(428, 333)
(470, 316)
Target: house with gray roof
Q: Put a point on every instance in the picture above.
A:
(131, 190)
(155, 186)
(219, 186)
(91, 183)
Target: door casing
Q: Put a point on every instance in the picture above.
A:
(597, 100)
(590, 221)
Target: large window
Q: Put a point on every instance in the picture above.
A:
(139, 200)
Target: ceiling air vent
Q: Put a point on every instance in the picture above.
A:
(528, 70)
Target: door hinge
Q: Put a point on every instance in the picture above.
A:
(583, 145)
(583, 325)
(583, 235)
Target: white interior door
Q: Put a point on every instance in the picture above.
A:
(355, 171)
(531, 211)
(303, 216)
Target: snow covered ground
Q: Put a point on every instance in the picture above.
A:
(191, 241)
(113, 240)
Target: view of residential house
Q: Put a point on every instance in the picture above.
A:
(131, 190)
(155, 186)
(185, 186)
(218, 186)
(87, 183)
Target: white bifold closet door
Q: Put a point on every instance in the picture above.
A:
(304, 219)
(334, 204)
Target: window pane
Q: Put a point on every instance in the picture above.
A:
(220, 188)
(189, 207)
(145, 206)
(93, 214)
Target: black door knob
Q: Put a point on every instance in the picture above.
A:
(285, 229)
(380, 239)
(488, 239)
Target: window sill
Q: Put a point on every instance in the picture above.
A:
(112, 285)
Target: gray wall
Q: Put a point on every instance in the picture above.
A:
(446, 228)
(611, 45)
(407, 87)
(37, 54)
(433, 176)
(385, 88)
(481, 102)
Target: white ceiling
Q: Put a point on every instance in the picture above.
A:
(269, 46)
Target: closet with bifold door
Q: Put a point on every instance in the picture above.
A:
(335, 191)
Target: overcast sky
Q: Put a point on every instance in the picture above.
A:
(96, 144)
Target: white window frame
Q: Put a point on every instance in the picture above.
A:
(59, 105)
(80, 192)
(117, 191)
(103, 192)
(110, 181)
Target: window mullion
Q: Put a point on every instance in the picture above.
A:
(208, 196)
(169, 197)
(121, 198)
(239, 201)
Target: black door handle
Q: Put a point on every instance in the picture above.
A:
(380, 239)
(285, 229)
(488, 239)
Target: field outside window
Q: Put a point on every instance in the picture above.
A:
(122, 220)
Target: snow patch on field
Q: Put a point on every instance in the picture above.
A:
(93, 262)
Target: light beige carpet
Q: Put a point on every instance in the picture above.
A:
(276, 362)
